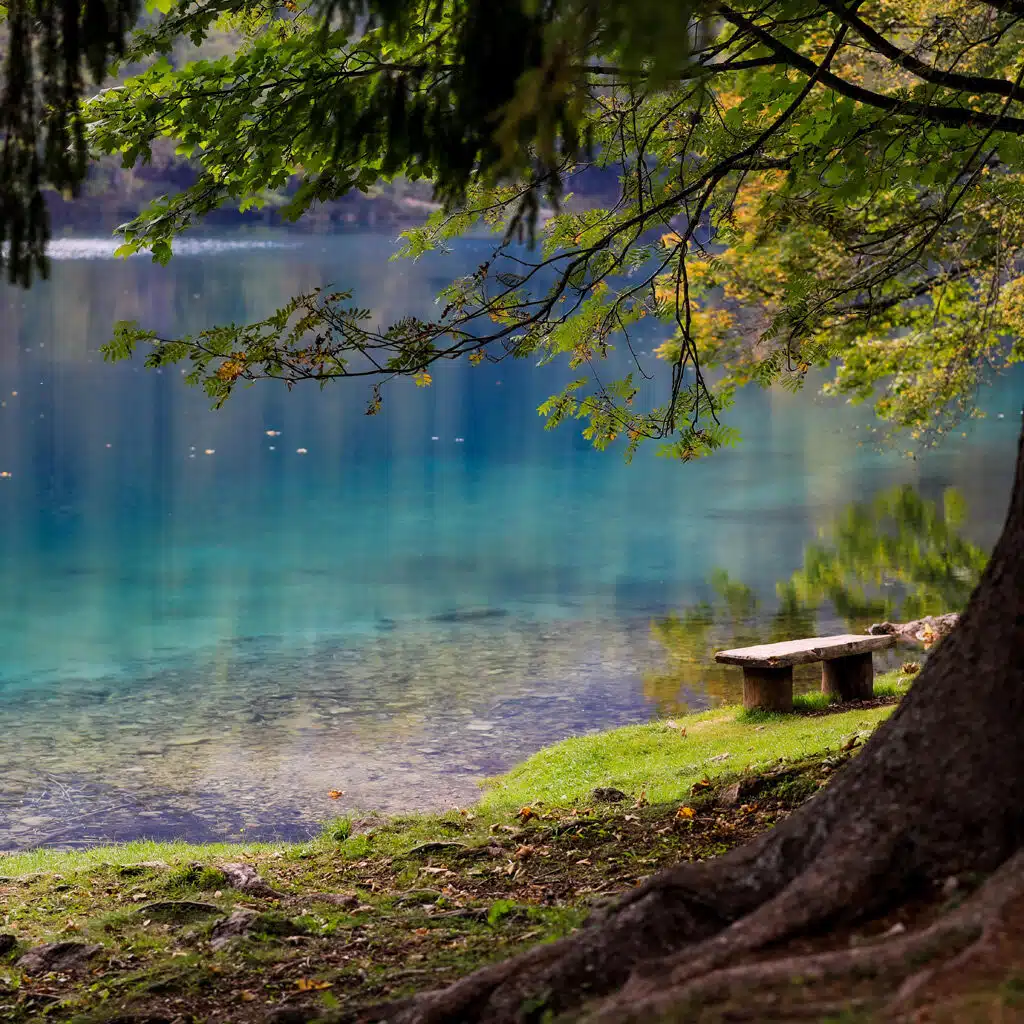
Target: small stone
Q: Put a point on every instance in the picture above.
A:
(235, 926)
(479, 726)
(57, 956)
(950, 885)
(7, 943)
(608, 795)
(336, 899)
(897, 929)
(246, 878)
(730, 796)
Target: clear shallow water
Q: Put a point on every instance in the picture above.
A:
(197, 644)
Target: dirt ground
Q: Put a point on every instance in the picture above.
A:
(329, 930)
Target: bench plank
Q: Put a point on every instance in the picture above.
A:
(800, 652)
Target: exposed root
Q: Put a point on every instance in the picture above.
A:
(987, 911)
(653, 953)
(944, 947)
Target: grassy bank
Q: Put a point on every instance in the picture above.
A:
(377, 908)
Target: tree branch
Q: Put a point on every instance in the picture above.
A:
(951, 117)
(907, 61)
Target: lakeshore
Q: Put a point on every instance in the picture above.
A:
(376, 907)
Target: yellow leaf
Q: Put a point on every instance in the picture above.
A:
(526, 813)
(423, 379)
(685, 813)
(335, 793)
(310, 985)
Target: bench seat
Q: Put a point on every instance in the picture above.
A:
(847, 670)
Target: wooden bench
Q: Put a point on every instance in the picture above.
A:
(847, 671)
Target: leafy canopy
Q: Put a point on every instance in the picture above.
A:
(802, 183)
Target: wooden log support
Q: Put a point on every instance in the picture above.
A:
(849, 678)
(770, 689)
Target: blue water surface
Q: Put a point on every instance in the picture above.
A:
(210, 619)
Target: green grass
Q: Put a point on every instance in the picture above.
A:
(173, 853)
(658, 760)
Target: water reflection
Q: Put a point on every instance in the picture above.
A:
(897, 557)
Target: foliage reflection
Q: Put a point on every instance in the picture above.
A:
(897, 557)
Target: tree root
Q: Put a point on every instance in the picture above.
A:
(659, 973)
(945, 947)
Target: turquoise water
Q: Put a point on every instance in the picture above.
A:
(204, 644)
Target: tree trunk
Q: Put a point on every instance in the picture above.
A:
(937, 791)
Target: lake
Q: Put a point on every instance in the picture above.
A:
(209, 620)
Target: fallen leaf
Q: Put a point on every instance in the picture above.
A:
(335, 793)
(526, 813)
(583, 861)
(685, 813)
(641, 800)
(523, 852)
(310, 985)
(246, 996)
(701, 785)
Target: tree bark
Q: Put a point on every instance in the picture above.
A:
(937, 791)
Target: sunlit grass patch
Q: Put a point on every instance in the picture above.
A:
(138, 852)
(663, 760)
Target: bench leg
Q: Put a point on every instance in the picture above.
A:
(770, 689)
(849, 678)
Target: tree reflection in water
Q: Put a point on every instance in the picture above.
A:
(897, 557)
